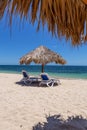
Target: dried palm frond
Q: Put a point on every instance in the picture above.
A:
(85, 1)
(63, 17)
(3, 4)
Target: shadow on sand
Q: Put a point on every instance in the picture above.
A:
(57, 123)
(33, 84)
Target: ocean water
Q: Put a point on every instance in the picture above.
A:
(79, 72)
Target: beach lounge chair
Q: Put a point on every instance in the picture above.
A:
(48, 81)
(28, 79)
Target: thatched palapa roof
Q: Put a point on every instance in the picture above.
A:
(63, 17)
(42, 55)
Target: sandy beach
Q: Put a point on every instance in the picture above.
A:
(62, 107)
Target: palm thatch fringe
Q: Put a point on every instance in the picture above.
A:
(63, 17)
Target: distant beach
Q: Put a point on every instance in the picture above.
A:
(75, 72)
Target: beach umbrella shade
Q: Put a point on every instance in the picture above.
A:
(42, 55)
(63, 17)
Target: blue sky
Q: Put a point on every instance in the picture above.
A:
(24, 38)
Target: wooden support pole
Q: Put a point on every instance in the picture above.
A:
(42, 68)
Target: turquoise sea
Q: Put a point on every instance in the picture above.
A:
(79, 72)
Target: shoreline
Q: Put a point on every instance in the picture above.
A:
(54, 76)
(68, 72)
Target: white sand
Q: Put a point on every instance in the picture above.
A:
(23, 107)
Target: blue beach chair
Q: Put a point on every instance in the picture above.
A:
(28, 79)
(48, 81)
